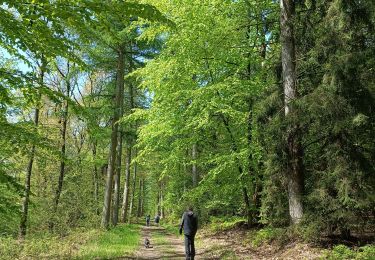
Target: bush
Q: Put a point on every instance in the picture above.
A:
(309, 231)
(344, 252)
(267, 235)
(366, 252)
(221, 224)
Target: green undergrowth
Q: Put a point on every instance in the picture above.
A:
(171, 228)
(229, 255)
(224, 223)
(79, 244)
(282, 236)
(344, 252)
(45, 246)
(267, 235)
(120, 241)
(219, 252)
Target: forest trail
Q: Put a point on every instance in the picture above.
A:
(164, 245)
(222, 245)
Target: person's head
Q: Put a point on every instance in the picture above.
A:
(190, 208)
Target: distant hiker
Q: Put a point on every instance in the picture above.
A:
(189, 223)
(148, 217)
(157, 219)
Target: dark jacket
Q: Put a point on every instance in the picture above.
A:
(189, 223)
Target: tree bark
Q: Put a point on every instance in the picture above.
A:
(162, 215)
(253, 174)
(158, 198)
(294, 148)
(125, 200)
(234, 148)
(63, 153)
(143, 197)
(133, 187)
(26, 198)
(64, 122)
(194, 166)
(247, 205)
(112, 153)
(116, 194)
(96, 180)
(139, 198)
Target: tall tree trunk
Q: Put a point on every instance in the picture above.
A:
(26, 195)
(247, 205)
(143, 191)
(162, 215)
(158, 198)
(96, 180)
(64, 123)
(26, 198)
(234, 148)
(116, 194)
(125, 199)
(294, 148)
(125, 202)
(253, 174)
(133, 187)
(62, 153)
(252, 171)
(112, 152)
(139, 208)
(194, 166)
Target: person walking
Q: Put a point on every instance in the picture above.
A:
(157, 219)
(148, 217)
(189, 224)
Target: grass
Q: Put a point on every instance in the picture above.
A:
(159, 238)
(79, 244)
(122, 240)
(171, 228)
(47, 246)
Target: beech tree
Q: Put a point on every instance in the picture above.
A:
(26, 197)
(294, 149)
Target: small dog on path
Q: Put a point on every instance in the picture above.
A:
(147, 243)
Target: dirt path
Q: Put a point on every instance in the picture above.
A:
(164, 245)
(148, 253)
(236, 244)
(229, 245)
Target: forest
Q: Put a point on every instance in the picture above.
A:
(257, 113)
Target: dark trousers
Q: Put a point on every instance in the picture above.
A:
(189, 247)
